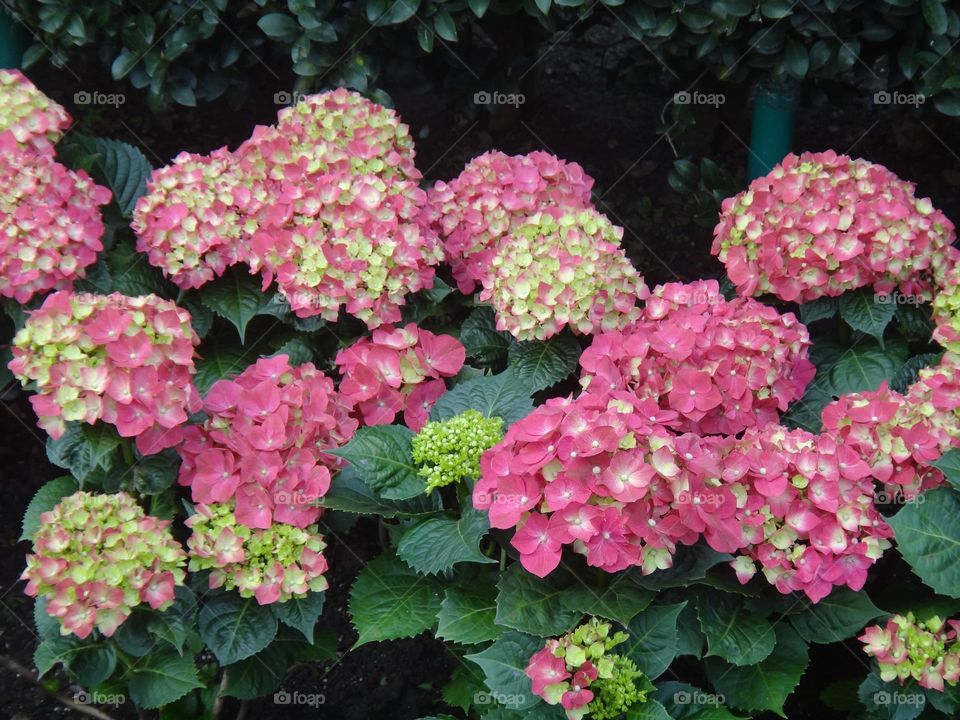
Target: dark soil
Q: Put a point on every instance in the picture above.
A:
(586, 102)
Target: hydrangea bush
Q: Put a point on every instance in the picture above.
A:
(568, 480)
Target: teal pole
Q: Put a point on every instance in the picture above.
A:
(13, 41)
(771, 130)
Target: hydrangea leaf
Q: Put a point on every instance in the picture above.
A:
(258, 675)
(388, 600)
(437, 544)
(300, 613)
(467, 614)
(927, 537)
(542, 364)
(349, 493)
(653, 638)
(890, 701)
(840, 615)
(381, 456)
(162, 677)
(949, 465)
(121, 167)
(479, 335)
(503, 664)
(45, 499)
(865, 366)
(531, 605)
(766, 685)
(687, 702)
(733, 632)
(504, 396)
(907, 375)
(620, 603)
(868, 312)
(690, 564)
(819, 309)
(649, 710)
(236, 297)
(235, 628)
(90, 661)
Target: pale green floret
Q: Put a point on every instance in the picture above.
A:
(449, 451)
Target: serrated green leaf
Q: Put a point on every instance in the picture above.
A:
(649, 710)
(258, 675)
(301, 613)
(733, 632)
(467, 614)
(620, 603)
(235, 628)
(543, 364)
(863, 367)
(72, 452)
(687, 702)
(928, 539)
(503, 664)
(690, 564)
(532, 605)
(819, 309)
(236, 297)
(90, 661)
(840, 615)
(437, 544)
(503, 396)
(381, 456)
(161, 678)
(44, 500)
(890, 701)
(178, 622)
(868, 312)
(767, 685)
(217, 364)
(482, 340)
(949, 465)
(119, 166)
(907, 375)
(388, 600)
(653, 638)
(349, 493)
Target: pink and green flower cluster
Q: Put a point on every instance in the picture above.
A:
(398, 370)
(272, 564)
(125, 360)
(493, 195)
(820, 224)
(96, 557)
(191, 221)
(36, 121)
(50, 222)
(906, 648)
(579, 672)
(711, 366)
(946, 305)
(562, 268)
(261, 448)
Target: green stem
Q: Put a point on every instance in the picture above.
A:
(503, 559)
(126, 446)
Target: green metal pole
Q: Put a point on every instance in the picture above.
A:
(13, 41)
(771, 131)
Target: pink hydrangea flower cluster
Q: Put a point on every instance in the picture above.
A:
(125, 360)
(561, 268)
(193, 217)
(946, 304)
(272, 564)
(35, 120)
(50, 223)
(261, 446)
(906, 648)
(898, 436)
(603, 475)
(716, 367)
(808, 515)
(820, 224)
(493, 195)
(96, 557)
(398, 370)
(340, 223)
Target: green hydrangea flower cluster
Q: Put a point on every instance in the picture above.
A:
(271, 565)
(579, 672)
(926, 650)
(449, 451)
